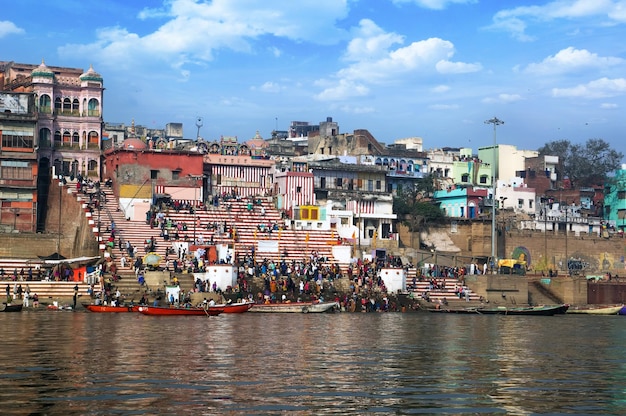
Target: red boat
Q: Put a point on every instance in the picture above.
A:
(240, 307)
(109, 308)
(163, 311)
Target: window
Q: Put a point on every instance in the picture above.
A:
(17, 139)
(322, 183)
(339, 182)
(370, 185)
(14, 169)
(520, 203)
(483, 179)
(378, 185)
(154, 174)
(530, 204)
(175, 175)
(465, 177)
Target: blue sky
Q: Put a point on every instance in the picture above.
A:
(436, 69)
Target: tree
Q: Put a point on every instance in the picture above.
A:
(584, 165)
(414, 205)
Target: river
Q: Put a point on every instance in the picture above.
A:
(66, 363)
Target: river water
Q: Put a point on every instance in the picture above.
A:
(66, 363)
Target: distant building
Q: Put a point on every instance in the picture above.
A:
(615, 200)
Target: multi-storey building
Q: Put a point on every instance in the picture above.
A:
(68, 119)
(18, 162)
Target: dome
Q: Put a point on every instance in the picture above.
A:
(133, 143)
(42, 71)
(91, 75)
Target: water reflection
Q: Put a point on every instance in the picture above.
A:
(82, 363)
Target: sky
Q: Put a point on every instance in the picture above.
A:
(435, 69)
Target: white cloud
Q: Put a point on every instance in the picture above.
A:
(447, 67)
(571, 59)
(600, 88)
(374, 61)
(342, 90)
(434, 4)
(195, 30)
(269, 87)
(9, 28)
(609, 106)
(444, 107)
(516, 20)
(503, 98)
(439, 89)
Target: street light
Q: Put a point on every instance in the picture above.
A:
(496, 122)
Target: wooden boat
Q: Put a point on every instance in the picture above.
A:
(296, 307)
(596, 310)
(109, 308)
(239, 307)
(549, 310)
(164, 311)
(12, 307)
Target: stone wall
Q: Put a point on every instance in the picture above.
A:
(76, 240)
(542, 251)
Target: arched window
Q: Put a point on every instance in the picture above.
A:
(58, 105)
(93, 139)
(93, 108)
(67, 107)
(44, 104)
(57, 139)
(75, 107)
(75, 139)
(44, 138)
(67, 138)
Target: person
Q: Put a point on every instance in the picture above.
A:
(35, 300)
(75, 296)
(26, 299)
(8, 294)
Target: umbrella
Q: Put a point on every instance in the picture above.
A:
(152, 259)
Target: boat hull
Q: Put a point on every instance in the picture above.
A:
(162, 311)
(235, 307)
(608, 310)
(296, 307)
(526, 311)
(111, 309)
(12, 308)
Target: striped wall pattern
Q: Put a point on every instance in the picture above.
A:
(361, 207)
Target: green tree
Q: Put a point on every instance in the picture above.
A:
(584, 165)
(414, 205)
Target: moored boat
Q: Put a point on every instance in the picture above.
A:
(547, 310)
(12, 307)
(239, 307)
(296, 307)
(622, 311)
(164, 311)
(596, 310)
(112, 309)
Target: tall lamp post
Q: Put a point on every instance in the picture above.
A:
(496, 122)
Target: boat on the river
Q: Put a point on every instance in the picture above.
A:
(193, 311)
(12, 307)
(239, 307)
(296, 307)
(622, 311)
(547, 310)
(596, 310)
(111, 309)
